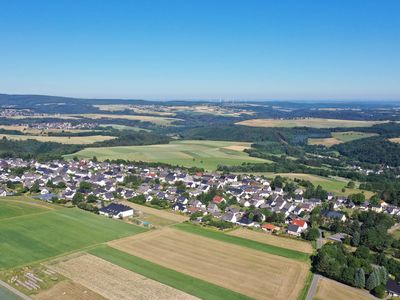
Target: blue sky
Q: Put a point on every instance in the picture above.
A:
(339, 49)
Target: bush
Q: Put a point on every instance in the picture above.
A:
(379, 291)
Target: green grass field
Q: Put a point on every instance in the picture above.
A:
(33, 235)
(188, 153)
(220, 236)
(12, 209)
(124, 127)
(329, 184)
(76, 140)
(180, 281)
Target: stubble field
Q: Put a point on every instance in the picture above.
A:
(246, 271)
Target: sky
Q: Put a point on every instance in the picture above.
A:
(232, 50)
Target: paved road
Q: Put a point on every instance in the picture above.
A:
(313, 287)
(15, 291)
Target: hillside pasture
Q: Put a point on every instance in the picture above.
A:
(246, 271)
(270, 239)
(189, 153)
(77, 140)
(112, 281)
(33, 235)
(308, 122)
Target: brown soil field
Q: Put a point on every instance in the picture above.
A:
(249, 272)
(309, 122)
(237, 147)
(332, 290)
(112, 281)
(274, 240)
(328, 142)
(157, 212)
(68, 290)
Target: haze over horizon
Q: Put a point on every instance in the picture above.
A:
(164, 50)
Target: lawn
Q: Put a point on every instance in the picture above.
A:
(183, 282)
(308, 122)
(189, 153)
(220, 236)
(30, 236)
(78, 140)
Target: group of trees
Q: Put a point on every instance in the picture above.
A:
(355, 269)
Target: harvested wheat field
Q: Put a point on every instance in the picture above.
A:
(246, 271)
(332, 290)
(157, 212)
(69, 290)
(267, 238)
(111, 281)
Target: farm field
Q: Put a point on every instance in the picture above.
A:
(191, 285)
(157, 120)
(332, 290)
(84, 140)
(247, 243)
(270, 239)
(230, 266)
(124, 127)
(330, 184)
(164, 214)
(7, 295)
(33, 236)
(340, 137)
(15, 208)
(309, 122)
(189, 153)
(68, 290)
(35, 131)
(112, 281)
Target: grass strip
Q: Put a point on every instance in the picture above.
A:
(172, 278)
(220, 236)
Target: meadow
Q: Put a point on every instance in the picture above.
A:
(76, 140)
(189, 153)
(38, 233)
(308, 122)
(244, 270)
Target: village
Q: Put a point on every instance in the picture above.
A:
(249, 201)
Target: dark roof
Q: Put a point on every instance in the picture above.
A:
(293, 228)
(333, 214)
(115, 209)
(393, 286)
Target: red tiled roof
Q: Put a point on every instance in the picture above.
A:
(299, 222)
(218, 199)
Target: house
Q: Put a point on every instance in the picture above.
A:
(334, 215)
(115, 210)
(270, 228)
(393, 288)
(230, 217)
(294, 230)
(218, 199)
(3, 193)
(300, 223)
